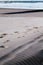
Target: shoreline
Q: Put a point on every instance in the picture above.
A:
(29, 14)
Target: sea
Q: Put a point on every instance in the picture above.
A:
(36, 4)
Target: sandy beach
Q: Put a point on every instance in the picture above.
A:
(18, 34)
(29, 14)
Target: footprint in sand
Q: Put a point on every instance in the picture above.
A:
(6, 41)
(35, 27)
(21, 37)
(16, 32)
(2, 46)
(3, 35)
(41, 41)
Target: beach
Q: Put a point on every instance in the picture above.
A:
(18, 35)
(21, 31)
(29, 14)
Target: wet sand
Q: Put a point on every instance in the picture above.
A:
(29, 14)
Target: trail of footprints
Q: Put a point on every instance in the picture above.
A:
(17, 32)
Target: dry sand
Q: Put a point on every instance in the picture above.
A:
(20, 30)
(17, 31)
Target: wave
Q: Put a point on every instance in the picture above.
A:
(21, 1)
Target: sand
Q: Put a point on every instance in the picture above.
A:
(19, 33)
(34, 14)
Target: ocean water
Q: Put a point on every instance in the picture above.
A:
(22, 4)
